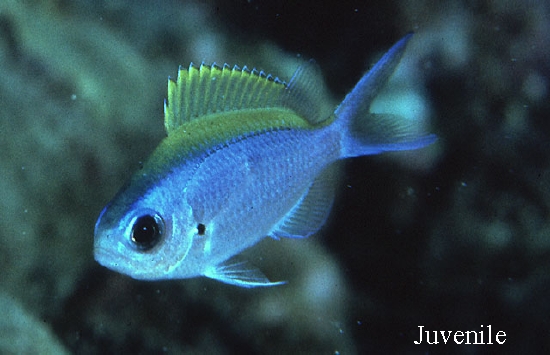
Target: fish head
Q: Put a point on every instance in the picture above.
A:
(145, 237)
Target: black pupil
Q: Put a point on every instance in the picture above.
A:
(146, 232)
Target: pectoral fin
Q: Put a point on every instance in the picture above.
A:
(239, 273)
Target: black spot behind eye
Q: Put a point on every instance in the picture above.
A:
(201, 229)
(147, 231)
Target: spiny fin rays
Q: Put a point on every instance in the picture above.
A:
(203, 90)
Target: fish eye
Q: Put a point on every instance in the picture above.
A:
(147, 231)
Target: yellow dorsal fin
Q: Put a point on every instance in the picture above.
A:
(207, 89)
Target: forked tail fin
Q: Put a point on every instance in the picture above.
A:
(370, 133)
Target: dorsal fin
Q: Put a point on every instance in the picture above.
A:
(306, 94)
(208, 89)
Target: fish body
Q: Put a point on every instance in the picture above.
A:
(246, 156)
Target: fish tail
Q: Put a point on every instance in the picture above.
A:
(364, 132)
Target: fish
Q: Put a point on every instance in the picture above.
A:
(246, 156)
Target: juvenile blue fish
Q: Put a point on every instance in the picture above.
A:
(246, 156)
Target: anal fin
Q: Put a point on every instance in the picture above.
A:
(311, 211)
(239, 273)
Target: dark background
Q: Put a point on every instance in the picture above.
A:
(450, 238)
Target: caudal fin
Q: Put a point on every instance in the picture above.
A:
(370, 133)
